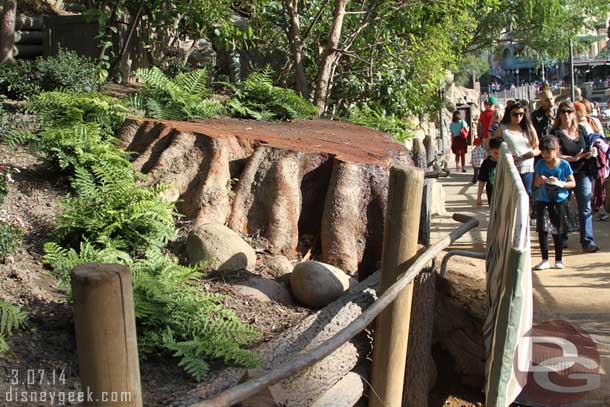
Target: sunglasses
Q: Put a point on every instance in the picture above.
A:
(517, 114)
(566, 111)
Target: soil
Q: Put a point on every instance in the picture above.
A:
(47, 346)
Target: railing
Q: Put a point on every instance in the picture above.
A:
(252, 387)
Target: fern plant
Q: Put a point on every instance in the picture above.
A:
(173, 314)
(379, 119)
(182, 98)
(11, 318)
(10, 237)
(111, 210)
(259, 99)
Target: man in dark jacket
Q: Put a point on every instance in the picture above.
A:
(542, 118)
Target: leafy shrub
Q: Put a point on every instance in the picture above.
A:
(181, 98)
(69, 71)
(19, 81)
(11, 318)
(66, 71)
(379, 119)
(10, 237)
(257, 98)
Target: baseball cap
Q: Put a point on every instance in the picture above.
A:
(491, 100)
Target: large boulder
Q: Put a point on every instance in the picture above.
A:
(316, 284)
(222, 247)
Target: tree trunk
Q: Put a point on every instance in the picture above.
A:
(7, 31)
(296, 45)
(328, 56)
(299, 182)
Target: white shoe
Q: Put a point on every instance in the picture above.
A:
(543, 265)
(559, 265)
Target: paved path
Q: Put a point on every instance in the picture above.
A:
(579, 294)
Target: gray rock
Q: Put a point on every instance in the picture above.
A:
(222, 247)
(316, 284)
(279, 266)
(264, 290)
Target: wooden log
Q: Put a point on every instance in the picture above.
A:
(28, 37)
(104, 319)
(400, 246)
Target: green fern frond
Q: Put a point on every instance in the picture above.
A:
(11, 318)
(193, 82)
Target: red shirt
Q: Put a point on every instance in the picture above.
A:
(485, 120)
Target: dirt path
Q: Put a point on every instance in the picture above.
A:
(578, 294)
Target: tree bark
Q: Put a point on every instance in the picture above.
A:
(7, 31)
(296, 45)
(328, 56)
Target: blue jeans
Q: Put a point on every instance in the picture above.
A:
(527, 180)
(585, 215)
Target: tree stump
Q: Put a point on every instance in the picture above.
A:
(322, 178)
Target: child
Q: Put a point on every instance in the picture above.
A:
(477, 156)
(554, 177)
(487, 172)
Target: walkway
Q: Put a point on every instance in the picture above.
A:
(579, 294)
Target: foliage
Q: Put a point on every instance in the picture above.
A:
(542, 28)
(112, 211)
(10, 237)
(69, 71)
(65, 108)
(112, 219)
(66, 71)
(173, 314)
(469, 66)
(379, 119)
(11, 318)
(259, 99)
(19, 81)
(181, 98)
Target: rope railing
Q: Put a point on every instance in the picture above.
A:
(410, 269)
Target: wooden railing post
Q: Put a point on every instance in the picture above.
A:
(104, 319)
(399, 246)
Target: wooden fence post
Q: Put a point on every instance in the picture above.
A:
(399, 246)
(104, 319)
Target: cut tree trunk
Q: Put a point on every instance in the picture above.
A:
(319, 178)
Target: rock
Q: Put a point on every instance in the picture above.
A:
(222, 247)
(316, 284)
(264, 290)
(280, 266)
(345, 393)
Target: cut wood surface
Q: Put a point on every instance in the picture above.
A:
(277, 180)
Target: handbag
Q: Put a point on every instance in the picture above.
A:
(464, 133)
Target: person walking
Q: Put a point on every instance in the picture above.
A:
(486, 118)
(554, 178)
(459, 137)
(575, 150)
(542, 118)
(520, 136)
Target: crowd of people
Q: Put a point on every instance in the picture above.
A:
(559, 150)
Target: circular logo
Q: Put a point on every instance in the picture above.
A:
(556, 364)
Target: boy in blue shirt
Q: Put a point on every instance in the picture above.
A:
(554, 177)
